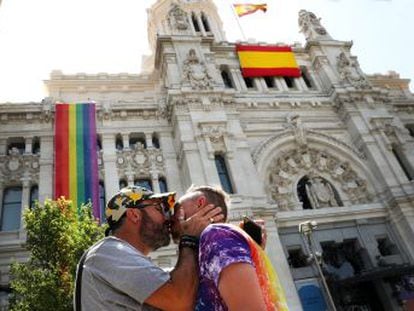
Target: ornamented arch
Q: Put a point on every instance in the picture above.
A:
(284, 159)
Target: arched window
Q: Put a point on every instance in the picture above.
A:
(195, 22)
(119, 142)
(12, 208)
(316, 192)
(225, 75)
(34, 195)
(102, 199)
(36, 145)
(223, 173)
(163, 184)
(205, 22)
(137, 138)
(155, 141)
(122, 183)
(303, 197)
(146, 183)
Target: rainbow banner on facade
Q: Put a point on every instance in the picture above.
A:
(263, 61)
(76, 163)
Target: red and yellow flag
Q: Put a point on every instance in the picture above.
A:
(247, 8)
(262, 61)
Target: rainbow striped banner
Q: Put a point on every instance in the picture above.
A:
(76, 163)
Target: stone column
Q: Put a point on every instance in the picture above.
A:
(236, 79)
(3, 146)
(155, 182)
(25, 198)
(28, 145)
(109, 158)
(46, 178)
(201, 25)
(240, 81)
(148, 139)
(172, 173)
(125, 140)
(274, 250)
(281, 85)
(1, 200)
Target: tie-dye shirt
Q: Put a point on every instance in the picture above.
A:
(220, 246)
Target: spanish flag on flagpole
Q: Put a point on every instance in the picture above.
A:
(247, 8)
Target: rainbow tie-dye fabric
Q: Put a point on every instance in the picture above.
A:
(222, 245)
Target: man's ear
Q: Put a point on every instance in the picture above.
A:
(201, 201)
(133, 215)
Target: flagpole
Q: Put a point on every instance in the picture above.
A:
(238, 22)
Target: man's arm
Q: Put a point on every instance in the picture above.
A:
(179, 293)
(240, 289)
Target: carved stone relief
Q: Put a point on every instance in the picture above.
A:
(139, 161)
(290, 167)
(216, 138)
(178, 18)
(195, 72)
(15, 166)
(350, 72)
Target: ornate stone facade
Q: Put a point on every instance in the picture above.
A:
(334, 145)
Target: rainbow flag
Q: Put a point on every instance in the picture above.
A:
(248, 8)
(76, 163)
(262, 61)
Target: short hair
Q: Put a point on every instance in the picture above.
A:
(214, 195)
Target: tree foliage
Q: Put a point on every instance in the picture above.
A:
(57, 236)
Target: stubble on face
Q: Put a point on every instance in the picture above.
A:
(153, 234)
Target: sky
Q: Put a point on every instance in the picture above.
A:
(93, 36)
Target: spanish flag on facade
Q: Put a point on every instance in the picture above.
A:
(262, 61)
(246, 8)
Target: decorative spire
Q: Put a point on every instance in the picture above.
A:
(311, 27)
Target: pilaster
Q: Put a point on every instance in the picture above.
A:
(274, 250)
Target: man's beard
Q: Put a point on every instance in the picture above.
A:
(153, 234)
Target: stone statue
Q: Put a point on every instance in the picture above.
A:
(195, 72)
(295, 122)
(320, 193)
(349, 72)
(311, 26)
(178, 17)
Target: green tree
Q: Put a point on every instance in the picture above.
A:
(57, 236)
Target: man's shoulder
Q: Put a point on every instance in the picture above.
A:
(112, 245)
(221, 232)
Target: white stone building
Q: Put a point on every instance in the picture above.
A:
(335, 146)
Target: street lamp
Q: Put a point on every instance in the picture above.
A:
(306, 229)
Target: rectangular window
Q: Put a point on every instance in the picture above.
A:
(297, 259)
(146, 183)
(223, 173)
(11, 211)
